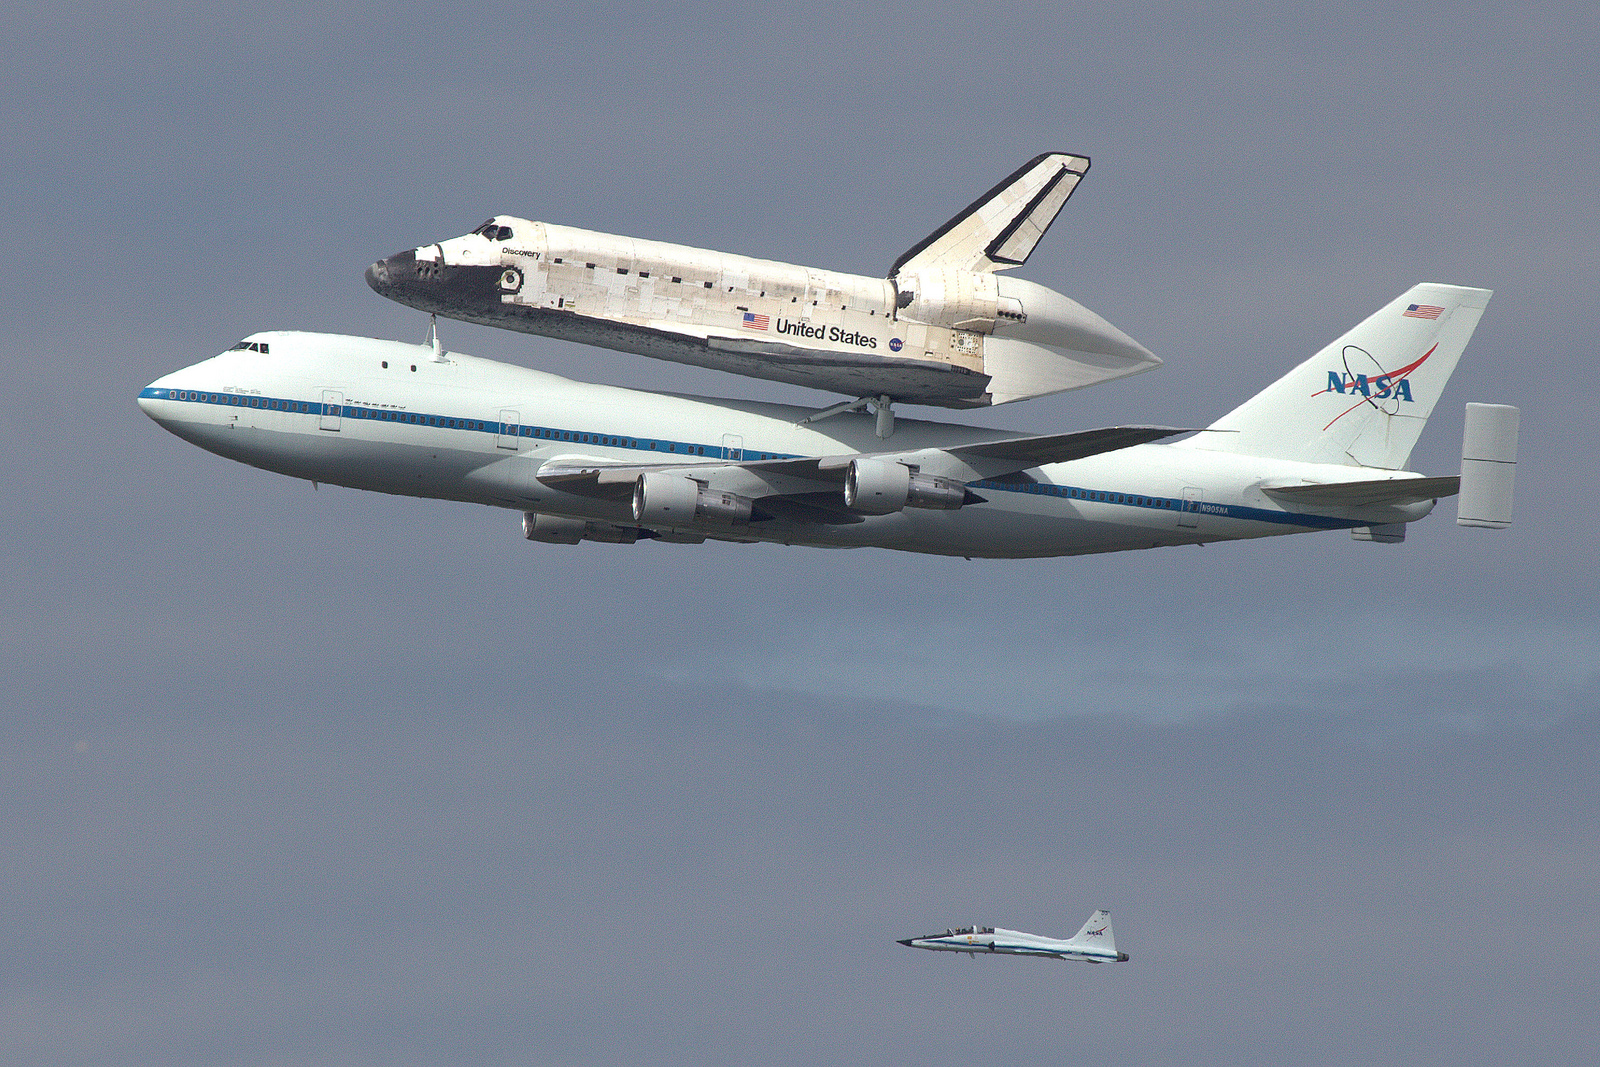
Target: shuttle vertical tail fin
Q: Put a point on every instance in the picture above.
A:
(1000, 229)
(1364, 399)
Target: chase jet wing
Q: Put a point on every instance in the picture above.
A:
(808, 488)
(1000, 229)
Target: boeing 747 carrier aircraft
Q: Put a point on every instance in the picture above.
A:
(1323, 448)
(1093, 943)
(943, 328)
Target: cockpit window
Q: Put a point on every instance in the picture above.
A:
(250, 346)
(494, 231)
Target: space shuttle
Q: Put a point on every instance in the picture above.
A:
(1093, 943)
(946, 327)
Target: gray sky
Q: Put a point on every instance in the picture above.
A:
(303, 777)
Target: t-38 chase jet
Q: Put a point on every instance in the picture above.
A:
(1093, 943)
(944, 328)
(1324, 447)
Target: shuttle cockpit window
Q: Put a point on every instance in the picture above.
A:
(250, 346)
(494, 231)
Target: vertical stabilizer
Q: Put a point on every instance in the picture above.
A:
(1000, 229)
(1364, 399)
(1096, 933)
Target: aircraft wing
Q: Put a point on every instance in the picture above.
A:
(809, 488)
(1000, 229)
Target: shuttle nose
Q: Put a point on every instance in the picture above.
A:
(428, 283)
(385, 274)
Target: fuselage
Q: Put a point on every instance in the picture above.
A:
(998, 940)
(403, 419)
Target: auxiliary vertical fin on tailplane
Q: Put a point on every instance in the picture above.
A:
(1363, 400)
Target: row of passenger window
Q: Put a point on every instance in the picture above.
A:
(239, 401)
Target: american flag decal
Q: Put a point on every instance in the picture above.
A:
(1422, 311)
(752, 321)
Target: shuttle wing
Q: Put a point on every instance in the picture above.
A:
(1000, 229)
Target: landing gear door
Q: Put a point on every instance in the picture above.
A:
(332, 408)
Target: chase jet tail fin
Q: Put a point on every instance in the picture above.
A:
(1000, 229)
(1363, 400)
(1097, 932)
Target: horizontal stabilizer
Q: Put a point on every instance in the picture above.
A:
(1391, 492)
(1000, 229)
(1021, 453)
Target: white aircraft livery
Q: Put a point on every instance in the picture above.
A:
(1093, 943)
(944, 328)
(1322, 448)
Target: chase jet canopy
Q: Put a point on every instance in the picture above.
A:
(1000, 229)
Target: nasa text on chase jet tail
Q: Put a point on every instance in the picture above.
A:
(1093, 943)
(944, 328)
(1322, 448)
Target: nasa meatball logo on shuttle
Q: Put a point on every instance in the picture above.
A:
(896, 344)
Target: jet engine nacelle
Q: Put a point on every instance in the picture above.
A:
(881, 487)
(565, 530)
(661, 499)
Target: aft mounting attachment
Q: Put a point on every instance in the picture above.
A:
(883, 405)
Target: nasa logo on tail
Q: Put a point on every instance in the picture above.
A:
(1381, 387)
(1388, 385)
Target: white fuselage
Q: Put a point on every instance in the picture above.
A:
(395, 418)
(1014, 943)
